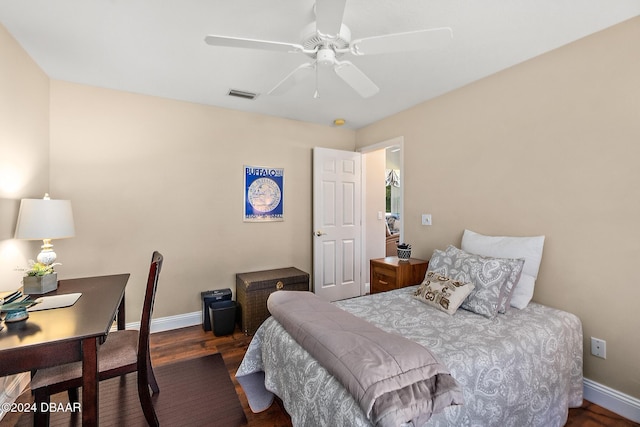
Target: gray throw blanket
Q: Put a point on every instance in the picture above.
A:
(393, 379)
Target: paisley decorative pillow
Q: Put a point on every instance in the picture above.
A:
(442, 292)
(510, 285)
(493, 278)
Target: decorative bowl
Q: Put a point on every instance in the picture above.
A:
(16, 315)
(16, 311)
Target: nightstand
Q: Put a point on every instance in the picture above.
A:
(391, 273)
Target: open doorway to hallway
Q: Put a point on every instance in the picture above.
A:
(382, 200)
(393, 199)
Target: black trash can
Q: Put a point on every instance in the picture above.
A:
(207, 298)
(223, 317)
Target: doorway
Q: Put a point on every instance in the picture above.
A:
(393, 199)
(382, 203)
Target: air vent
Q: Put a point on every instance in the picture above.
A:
(242, 94)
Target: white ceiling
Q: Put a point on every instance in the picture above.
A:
(156, 47)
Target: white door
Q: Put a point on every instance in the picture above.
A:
(337, 230)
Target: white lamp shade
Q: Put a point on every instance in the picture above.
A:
(45, 219)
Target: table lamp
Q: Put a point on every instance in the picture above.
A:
(45, 219)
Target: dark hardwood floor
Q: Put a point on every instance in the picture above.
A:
(170, 346)
(186, 343)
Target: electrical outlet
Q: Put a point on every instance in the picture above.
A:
(426, 219)
(599, 347)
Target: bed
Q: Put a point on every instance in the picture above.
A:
(521, 367)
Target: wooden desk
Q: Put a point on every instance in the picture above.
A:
(62, 335)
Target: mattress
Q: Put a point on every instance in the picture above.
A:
(520, 368)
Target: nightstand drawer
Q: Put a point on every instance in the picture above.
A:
(388, 271)
(382, 283)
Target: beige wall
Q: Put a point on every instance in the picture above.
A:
(24, 150)
(24, 165)
(549, 147)
(148, 173)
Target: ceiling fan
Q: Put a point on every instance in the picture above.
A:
(327, 40)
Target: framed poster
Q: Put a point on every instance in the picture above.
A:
(263, 194)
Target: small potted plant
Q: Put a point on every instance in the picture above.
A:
(40, 278)
(404, 251)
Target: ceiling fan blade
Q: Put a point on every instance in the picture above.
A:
(329, 15)
(356, 79)
(403, 42)
(292, 79)
(225, 41)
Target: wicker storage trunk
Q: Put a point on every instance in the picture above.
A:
(253, 289)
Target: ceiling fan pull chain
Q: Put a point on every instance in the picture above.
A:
(316, 94)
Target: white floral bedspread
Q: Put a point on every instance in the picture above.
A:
(523, 368)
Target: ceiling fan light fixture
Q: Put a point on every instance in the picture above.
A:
(326, 57)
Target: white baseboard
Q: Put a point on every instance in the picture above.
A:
(176, 322)
(613, 400)
(171, 322)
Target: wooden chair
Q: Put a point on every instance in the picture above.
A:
(123, 352)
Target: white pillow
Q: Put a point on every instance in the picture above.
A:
(529, 248)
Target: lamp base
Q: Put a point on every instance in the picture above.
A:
(46, 256)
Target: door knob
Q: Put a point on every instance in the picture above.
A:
(319, 233)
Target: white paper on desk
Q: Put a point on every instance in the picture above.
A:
(55, 301)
